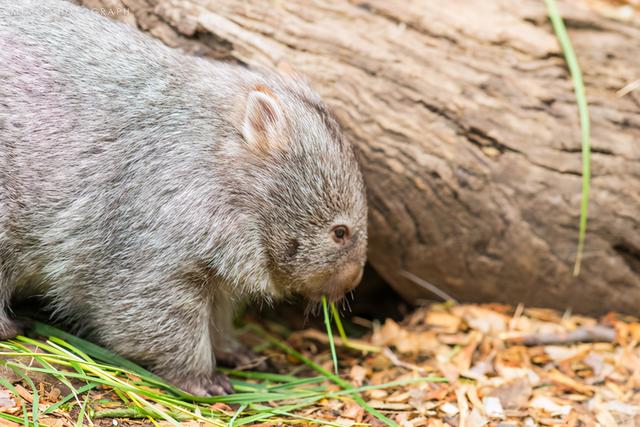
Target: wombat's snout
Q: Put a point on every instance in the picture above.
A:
(347, 279)
(336, 284)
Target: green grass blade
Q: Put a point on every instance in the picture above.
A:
(359, 346)
(83, 409)
(240, 410)
(338, 322)
(14, 419)
(583, 110)
(297, 383)
(132, 412)
(332, 344)
(264, 376)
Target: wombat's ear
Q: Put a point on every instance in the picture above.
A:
(264, 120)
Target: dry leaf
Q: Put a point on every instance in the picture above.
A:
(357, 374)
(482, 319)
(549, 406)
(353, 411)
(443, 321)
(7, 401)
(513, 394)
(560, 379)
(493, 407)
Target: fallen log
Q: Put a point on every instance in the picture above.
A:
(465, 122)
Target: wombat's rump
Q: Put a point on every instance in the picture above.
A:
(145, 192)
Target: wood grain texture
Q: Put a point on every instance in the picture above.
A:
(466, 126)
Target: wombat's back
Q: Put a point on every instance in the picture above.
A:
(100, 136)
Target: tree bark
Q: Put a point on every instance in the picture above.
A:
(465, 122)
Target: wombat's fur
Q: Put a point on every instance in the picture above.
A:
(144, 192)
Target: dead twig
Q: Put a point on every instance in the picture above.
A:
(354, 344)
(596, 333)
(628, 88)
(395, 360)
(428, 286)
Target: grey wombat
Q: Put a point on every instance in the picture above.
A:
(146, 192)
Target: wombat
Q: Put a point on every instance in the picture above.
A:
(145, 192)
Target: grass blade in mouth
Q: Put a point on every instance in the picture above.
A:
(327, 323)
(338, 322)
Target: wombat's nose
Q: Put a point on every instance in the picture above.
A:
(348, 278)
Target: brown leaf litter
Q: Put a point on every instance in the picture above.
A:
(505, 367)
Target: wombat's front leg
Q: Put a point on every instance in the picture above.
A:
(227, 349)
(168, 330)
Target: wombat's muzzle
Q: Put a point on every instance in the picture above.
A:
(348, 278)
(336, 284)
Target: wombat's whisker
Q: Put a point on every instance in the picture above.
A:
(313, 308)
(348, 305)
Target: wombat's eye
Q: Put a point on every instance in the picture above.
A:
(340, 233)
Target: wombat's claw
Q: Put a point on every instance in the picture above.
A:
(216, 385)
(220, 385)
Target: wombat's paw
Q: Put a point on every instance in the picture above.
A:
(214, 385)
(9, 329)
(241, 358)
(220, 384)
